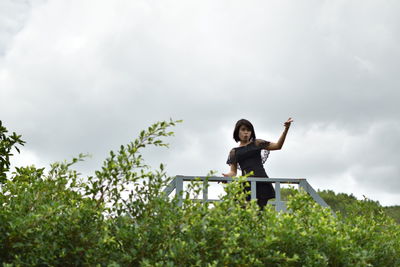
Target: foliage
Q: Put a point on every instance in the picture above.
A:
(120, 217)
(7, 143)
(346, 204)
(394, 212)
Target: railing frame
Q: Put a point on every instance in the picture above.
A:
(177, 184)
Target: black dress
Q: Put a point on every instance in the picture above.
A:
(250, 158)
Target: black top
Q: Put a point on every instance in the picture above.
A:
(250, 158)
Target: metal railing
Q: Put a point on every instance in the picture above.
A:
(177, 184)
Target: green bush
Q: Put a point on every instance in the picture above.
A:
(120, 217)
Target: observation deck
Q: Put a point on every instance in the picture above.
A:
(280, 205)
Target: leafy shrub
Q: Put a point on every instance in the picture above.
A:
(121, 217)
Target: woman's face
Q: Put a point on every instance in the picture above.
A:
(244, 133)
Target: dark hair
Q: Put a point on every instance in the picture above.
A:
(246, 123)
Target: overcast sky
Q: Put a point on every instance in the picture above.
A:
(86, 76)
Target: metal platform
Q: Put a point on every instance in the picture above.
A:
(177, 185)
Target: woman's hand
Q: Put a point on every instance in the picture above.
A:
(229, 174)
(279, 144)
(288, 122)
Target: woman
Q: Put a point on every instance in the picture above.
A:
(248, 157)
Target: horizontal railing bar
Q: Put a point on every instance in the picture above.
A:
(270, 202)
(252, 178)
(207, 200)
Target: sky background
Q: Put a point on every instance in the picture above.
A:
(86, 76)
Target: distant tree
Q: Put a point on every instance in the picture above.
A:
(394, 212)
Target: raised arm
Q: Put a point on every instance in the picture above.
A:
(279, 144)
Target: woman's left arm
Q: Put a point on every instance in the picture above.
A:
(279, 144)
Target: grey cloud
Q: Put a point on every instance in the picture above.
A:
(84, 78)
(12, 17)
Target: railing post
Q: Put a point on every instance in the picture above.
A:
(279, 205)
(205, 190)
(179, 189)
(253, 190)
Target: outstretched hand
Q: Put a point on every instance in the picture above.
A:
(288, 122)
(229, 174)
